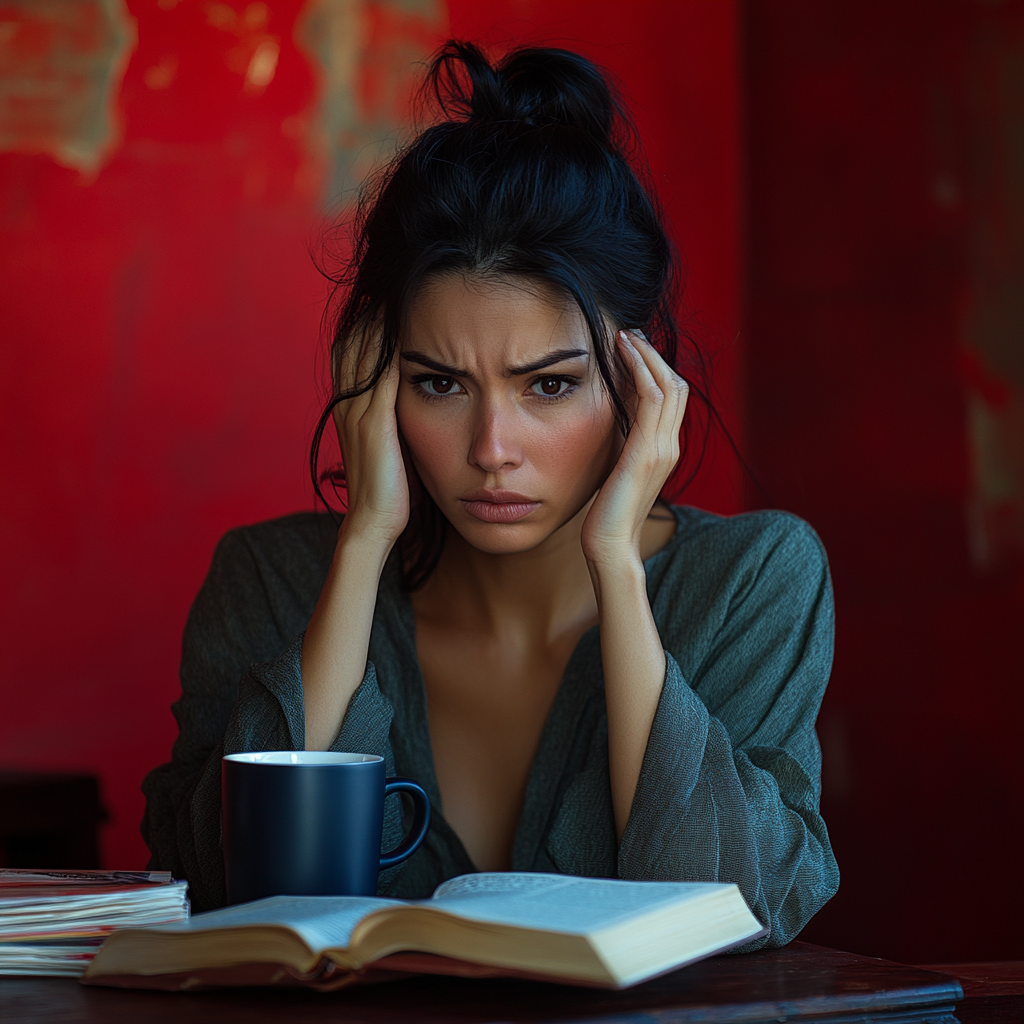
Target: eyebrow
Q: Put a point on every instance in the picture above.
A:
(513, 371)
(549, 360)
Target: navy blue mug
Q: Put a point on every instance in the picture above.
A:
(309, 823)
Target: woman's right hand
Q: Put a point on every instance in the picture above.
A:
(378, 489)
(334, 649)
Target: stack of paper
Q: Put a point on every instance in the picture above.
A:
(52, 922)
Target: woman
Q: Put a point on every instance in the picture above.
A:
(584, 679)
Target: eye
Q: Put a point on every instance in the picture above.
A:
(552, 387)
(438, 385)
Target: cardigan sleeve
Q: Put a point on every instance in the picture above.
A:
(730, 783)
(229, 705)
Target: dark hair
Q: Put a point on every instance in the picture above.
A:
(532, 172)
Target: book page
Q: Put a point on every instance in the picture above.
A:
(322, 922)
(564, 903)
(67, 901)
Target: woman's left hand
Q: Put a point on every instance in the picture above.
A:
(611, 532)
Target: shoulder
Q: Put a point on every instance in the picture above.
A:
(756, 571)
(260, 590)
(295, 543)
(744, 547)
(744, 604)
(274, 568)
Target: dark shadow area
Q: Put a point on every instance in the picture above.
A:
(49, 821)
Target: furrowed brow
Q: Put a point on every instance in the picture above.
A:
(432, 364)
(549, 360)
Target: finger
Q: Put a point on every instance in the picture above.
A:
(671, 384)
(673, 387)
(355, 367)
(369, 353)
(385, 393)
(651, 397)
(661, 434)
(358, 365)
(346, 370)
(643, 379)
(357, 358)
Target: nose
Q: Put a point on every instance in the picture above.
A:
(493, 446)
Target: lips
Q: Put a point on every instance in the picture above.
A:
(494, 506)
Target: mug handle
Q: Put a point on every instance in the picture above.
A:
(420, 822)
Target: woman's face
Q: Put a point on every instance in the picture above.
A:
(502, 409)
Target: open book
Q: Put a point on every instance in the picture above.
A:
(587, 931)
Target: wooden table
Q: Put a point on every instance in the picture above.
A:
(801, 983)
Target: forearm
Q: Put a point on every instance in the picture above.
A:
(634, 672)
(338, 636)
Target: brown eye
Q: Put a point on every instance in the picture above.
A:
(440, 385)
(551, 385)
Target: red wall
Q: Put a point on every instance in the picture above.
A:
(159, 324)
(885, 321)
(160, 333)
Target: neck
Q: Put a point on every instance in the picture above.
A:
(545, 591)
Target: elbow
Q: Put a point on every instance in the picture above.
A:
(813, 884)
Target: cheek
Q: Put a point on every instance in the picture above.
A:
(577, 452)
(435, 441)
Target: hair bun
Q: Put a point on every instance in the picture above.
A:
(533, 85)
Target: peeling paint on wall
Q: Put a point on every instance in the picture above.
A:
(370, 54)
(254, 56)
(61, 65)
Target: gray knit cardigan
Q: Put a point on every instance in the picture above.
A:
(730, 784)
